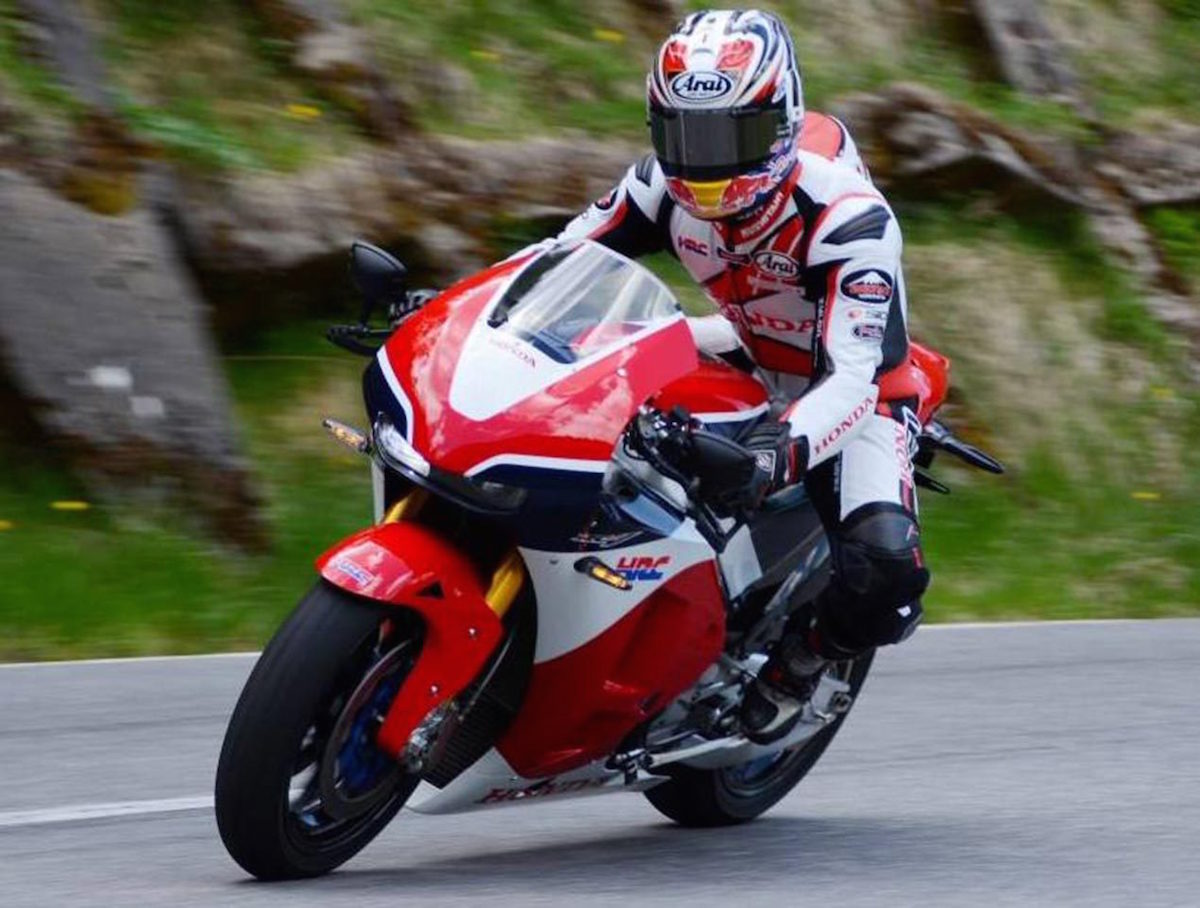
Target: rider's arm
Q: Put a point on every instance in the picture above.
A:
(855, 258)
(714, 334)
(631, 219)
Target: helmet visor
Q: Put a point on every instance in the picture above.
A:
(715, 144)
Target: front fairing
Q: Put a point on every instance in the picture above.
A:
(495, 393)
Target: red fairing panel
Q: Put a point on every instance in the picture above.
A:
(579, 417)
(404, 564)
(714, 387)
(580, 705)
(925, 375)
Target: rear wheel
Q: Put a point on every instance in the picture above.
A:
(736, 794)
(301, 786)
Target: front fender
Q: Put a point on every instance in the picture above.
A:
(405, 564)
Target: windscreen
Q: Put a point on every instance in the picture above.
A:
(577, 301)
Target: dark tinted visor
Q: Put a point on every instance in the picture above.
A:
(714, 144)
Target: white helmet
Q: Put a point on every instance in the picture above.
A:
(725, 106)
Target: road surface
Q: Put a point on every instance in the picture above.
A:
(1011, 765)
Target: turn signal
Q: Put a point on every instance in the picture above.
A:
(351, 437)
(596, 569)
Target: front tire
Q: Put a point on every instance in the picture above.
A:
(738, 794)
(300, 786)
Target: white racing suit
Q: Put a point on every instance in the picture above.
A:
(809, 287)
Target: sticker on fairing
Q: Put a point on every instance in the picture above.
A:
(867, 331)
(869, 286)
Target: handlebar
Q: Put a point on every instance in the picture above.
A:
(351, 337)
(707, 466)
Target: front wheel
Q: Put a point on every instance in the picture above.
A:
(300, 786)
(736, 794)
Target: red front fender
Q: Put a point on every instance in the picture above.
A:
(408, 565)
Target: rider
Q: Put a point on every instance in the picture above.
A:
(771, 210)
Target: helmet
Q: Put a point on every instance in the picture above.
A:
(724, 104)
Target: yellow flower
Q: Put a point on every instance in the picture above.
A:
(1142, 495)
(70, 505)
(6, 525)
(303, 112)
(490, 55)
(607, 34)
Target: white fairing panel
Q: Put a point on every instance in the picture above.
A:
(475, 391)
(739, 563)
(573, 608)
(491, 782)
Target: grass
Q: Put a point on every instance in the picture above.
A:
(229, 100)
(499, 68)
(1178, 233)
(113, 581)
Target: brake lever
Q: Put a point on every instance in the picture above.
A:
(349, 337)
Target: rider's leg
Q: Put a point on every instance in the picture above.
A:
(866, 500)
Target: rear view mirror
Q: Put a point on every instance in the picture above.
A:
(378, 275)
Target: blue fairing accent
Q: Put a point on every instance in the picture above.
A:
(543, 478)
(733, 428)
(379, 398)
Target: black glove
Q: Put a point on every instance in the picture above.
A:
(413, 300)
(781, 458)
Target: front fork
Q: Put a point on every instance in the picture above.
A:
(400, 562)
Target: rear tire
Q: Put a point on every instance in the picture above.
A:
(334, 659)
(737, 794)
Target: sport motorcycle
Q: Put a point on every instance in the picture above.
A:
(560, 595)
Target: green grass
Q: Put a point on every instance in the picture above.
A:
(116, 581)
(228, 100)
(1042, 545)
(1178, 233)
(503, 68)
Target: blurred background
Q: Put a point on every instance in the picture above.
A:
(180, 179)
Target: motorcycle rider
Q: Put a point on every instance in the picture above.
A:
(771, 210)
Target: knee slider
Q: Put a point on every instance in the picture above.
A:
(881, 576)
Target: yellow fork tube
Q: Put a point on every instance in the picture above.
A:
(407, 506)
(507, 581)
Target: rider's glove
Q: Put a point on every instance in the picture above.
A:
(781, 459)
(413, 300)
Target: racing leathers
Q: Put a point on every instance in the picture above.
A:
(809, 288)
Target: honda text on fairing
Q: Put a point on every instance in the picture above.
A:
(559, 596)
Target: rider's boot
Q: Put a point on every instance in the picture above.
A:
(774, 701)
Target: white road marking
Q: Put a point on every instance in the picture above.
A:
(122, 660)
(75, 813)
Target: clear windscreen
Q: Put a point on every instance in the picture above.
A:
(576, 301)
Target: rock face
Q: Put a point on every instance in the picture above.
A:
(104, 335)
(1025, 50)
(1155, 169)
(337, 57)
(63, 34)
(918, 140)
(265, 244)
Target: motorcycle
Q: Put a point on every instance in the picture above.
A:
(558, 597)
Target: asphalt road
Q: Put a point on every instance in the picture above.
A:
(1014, 765)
